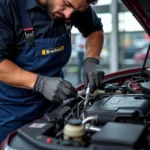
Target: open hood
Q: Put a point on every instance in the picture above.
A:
(141, 10)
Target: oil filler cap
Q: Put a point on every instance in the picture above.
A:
(76, 122)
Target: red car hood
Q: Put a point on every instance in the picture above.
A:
(141, 10)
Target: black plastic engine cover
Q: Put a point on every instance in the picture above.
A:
(121, 108)
(121, 135)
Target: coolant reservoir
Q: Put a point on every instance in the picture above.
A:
(74, 130)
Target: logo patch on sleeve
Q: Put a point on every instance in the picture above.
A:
(52, 50)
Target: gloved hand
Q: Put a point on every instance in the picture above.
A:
(92, 74)
(54, 88)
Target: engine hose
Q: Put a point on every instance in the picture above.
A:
(90, 118)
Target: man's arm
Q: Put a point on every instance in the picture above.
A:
(92, 29)
(13, 75)
(10, 73)
(52, 88)
(94, 44)
(92, 72)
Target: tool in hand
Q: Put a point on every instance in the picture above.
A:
(81, 96)
(87, 96)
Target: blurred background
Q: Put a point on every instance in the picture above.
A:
(125, 43)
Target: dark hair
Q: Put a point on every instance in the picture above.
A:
(92, 1)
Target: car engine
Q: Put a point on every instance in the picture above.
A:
(117, 117)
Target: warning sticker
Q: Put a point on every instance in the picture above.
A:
(37, 125)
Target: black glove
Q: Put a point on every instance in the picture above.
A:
(54, 88)
(92, 74)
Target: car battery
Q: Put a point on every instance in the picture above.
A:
(121, 108)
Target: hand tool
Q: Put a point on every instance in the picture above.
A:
(87, 96)
(81, 96)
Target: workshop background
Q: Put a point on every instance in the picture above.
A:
(125, 43)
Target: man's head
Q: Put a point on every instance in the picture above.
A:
(65, 8)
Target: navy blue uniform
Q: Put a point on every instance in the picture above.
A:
(47, 55)
(11, 31)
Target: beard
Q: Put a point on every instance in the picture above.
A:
(50, 10)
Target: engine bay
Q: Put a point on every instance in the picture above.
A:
(116, 118)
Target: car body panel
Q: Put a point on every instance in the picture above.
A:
(141, 10)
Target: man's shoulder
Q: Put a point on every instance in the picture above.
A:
(7, 11)
(7, 3)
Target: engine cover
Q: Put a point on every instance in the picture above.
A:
(121, 108)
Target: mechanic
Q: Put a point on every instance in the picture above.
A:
(35, 45)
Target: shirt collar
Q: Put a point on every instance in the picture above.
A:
(31, 4)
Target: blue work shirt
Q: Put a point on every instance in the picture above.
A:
(12, 38)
